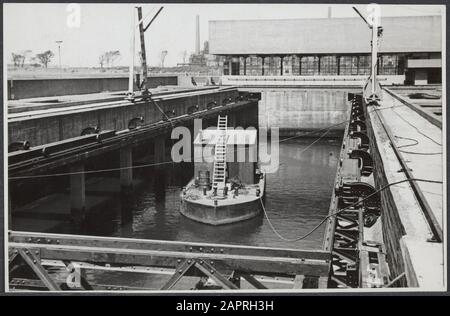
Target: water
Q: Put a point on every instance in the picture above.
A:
(297, 199)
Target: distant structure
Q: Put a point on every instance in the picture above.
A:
(197, 34)
(410, 47)
(202, 57)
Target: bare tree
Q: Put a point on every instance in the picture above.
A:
(102, 60)
(163, 57)
(17, 59)
(45, 57)
(25, 54)
(113, 55)
(108, 58)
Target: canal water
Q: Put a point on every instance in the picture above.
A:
(297, 199)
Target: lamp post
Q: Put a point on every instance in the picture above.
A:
(59, 52)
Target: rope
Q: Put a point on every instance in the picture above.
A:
(419, 153)
(423, 134)
(339, 211)
(416, 142)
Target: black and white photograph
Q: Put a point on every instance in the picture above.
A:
(224, 148)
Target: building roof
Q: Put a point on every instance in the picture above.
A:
(324, 36)
(234, 137)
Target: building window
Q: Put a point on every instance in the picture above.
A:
(310, 66)
(226, 67)
(364, 65)
(348, 65)
(328, 65)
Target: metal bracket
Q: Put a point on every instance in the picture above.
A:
(365, 161)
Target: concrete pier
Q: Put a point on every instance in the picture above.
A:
(126, 170)
(77, 193)
(406, 231)
(160, 150)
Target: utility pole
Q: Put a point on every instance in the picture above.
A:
(376, 32)
(59, 52)
(130, 94)
(143, 87)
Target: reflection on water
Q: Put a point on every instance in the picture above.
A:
(297, 199)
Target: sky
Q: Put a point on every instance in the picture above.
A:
(105, 27)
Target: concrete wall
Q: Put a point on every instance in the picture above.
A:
(303, 109)
(319, 81)
(323, 36)
(54, 128)
(31, 88)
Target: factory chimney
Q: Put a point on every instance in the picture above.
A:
(197, 35)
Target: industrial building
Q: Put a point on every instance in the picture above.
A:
(410, 46)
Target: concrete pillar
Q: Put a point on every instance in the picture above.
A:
(338, 62)
(160, 157)
(262, 63)
(232, 119)
(300, 65)
(77, 193)
(160, 148)
(281, 65)
(245, 65)
(126, 171)
(318, 65)
(357, 65)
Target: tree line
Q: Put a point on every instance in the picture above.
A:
(43, 58)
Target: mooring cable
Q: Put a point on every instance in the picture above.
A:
(339, 211)
(410, 124)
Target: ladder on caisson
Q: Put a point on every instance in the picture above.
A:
(220, 164)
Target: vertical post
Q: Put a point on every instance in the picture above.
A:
(281, 65)
(160, 177)
(318, 64)
(374, 51)
(143, 54)
(126, 170)
(338, 62)
(262, 63)
(131, 70)
(357, 65)
(245, 65)
(77, 193)
(160, 149)
(300, 65)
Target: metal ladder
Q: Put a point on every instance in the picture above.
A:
(220, 154)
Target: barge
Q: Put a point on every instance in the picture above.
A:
(230, 187)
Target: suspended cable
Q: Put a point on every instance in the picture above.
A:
(339, 211)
